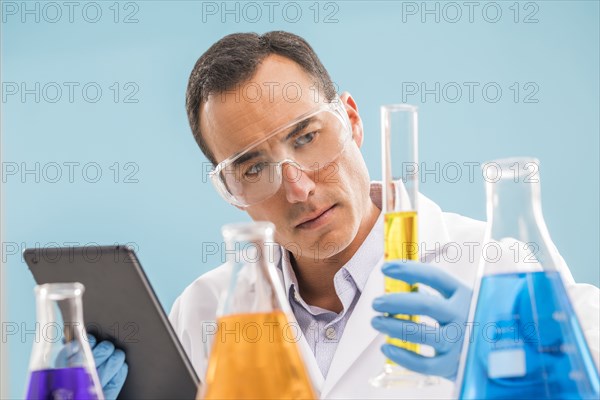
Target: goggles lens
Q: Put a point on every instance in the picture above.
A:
(309, 143)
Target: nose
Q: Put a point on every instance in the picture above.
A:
(296, 183)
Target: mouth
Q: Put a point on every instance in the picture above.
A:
(317, 219)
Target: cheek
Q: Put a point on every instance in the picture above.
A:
(261, 213)
(352, 172)
(269, 211)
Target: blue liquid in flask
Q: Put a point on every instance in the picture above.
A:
(61, 384)
(527, 343)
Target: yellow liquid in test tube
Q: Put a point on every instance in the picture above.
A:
(401, 243)
(255, 356)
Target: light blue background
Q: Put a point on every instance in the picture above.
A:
(370, 51)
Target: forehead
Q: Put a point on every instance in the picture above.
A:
(278, 92)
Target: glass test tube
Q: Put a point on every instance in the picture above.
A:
(400, 178)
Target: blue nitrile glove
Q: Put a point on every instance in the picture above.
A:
(111, 366)
(450, 312)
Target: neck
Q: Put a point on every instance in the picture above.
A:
(315, 276)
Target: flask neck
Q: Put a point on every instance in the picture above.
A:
(60, 329)
(514, 207)
(59, 304)
(255, 286)
(516, 226)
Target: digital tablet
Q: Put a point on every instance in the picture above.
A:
(119, 305)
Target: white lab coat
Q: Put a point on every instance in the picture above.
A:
(449, 242)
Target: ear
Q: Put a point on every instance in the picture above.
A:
(355, 120)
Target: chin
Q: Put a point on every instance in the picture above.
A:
(331, 243)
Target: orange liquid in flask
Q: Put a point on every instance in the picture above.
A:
(255, 356)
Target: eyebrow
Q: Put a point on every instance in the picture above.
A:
(299, 127)
(245, 157)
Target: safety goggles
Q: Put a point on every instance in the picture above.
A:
(309, 142)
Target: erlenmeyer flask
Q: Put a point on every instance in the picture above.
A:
(62, 365)
(525, 341)
(254, 353)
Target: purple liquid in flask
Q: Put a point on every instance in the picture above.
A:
(61, 384)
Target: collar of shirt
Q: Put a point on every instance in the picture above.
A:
(358, 268)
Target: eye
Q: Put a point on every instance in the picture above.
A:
(255, 169)
(305, 139)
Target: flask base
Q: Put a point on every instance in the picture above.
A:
(394, 375)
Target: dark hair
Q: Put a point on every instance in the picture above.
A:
(234, 59)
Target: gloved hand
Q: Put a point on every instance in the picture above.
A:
(450, 312)
(111, 366)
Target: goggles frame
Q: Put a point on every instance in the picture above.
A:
(335, 106)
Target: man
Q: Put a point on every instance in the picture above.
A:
(286, 149)
(251, 103)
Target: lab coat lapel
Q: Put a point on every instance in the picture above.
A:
(433, 235)
(358, 333)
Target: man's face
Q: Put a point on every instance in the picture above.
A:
(316, 213)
